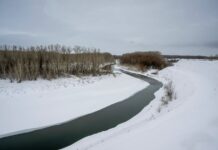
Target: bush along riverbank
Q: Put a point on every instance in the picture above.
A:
(144, 60)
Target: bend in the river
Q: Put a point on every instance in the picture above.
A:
(62, 135)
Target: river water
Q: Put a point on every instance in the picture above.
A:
(62, 135)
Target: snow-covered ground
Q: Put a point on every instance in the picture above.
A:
(188, 122)
(36, 104)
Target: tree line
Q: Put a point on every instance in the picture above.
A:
(52, 61)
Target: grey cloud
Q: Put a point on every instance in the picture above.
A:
(171, 26)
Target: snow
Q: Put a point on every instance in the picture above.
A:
(35, 104)
(188, 122)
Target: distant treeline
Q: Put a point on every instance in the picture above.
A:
(144, 60)
(190, 57)
(52, 61)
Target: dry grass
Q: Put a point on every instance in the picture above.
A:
(169, 95)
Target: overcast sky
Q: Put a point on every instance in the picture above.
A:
(117, 26)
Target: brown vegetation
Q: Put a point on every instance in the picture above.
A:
(169, 95)
(18, 63)
(177, 57)
(144, 60)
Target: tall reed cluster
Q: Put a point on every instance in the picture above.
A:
(19, 63)
(144, 60)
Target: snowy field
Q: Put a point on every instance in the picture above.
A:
(188, 122)
(35, 104)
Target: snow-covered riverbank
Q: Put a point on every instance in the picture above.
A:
(35, 104)
(190, 121)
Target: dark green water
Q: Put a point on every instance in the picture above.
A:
(62, 135)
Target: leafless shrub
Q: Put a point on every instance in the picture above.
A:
(144, 60)
(169, 90)
(169, 95)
